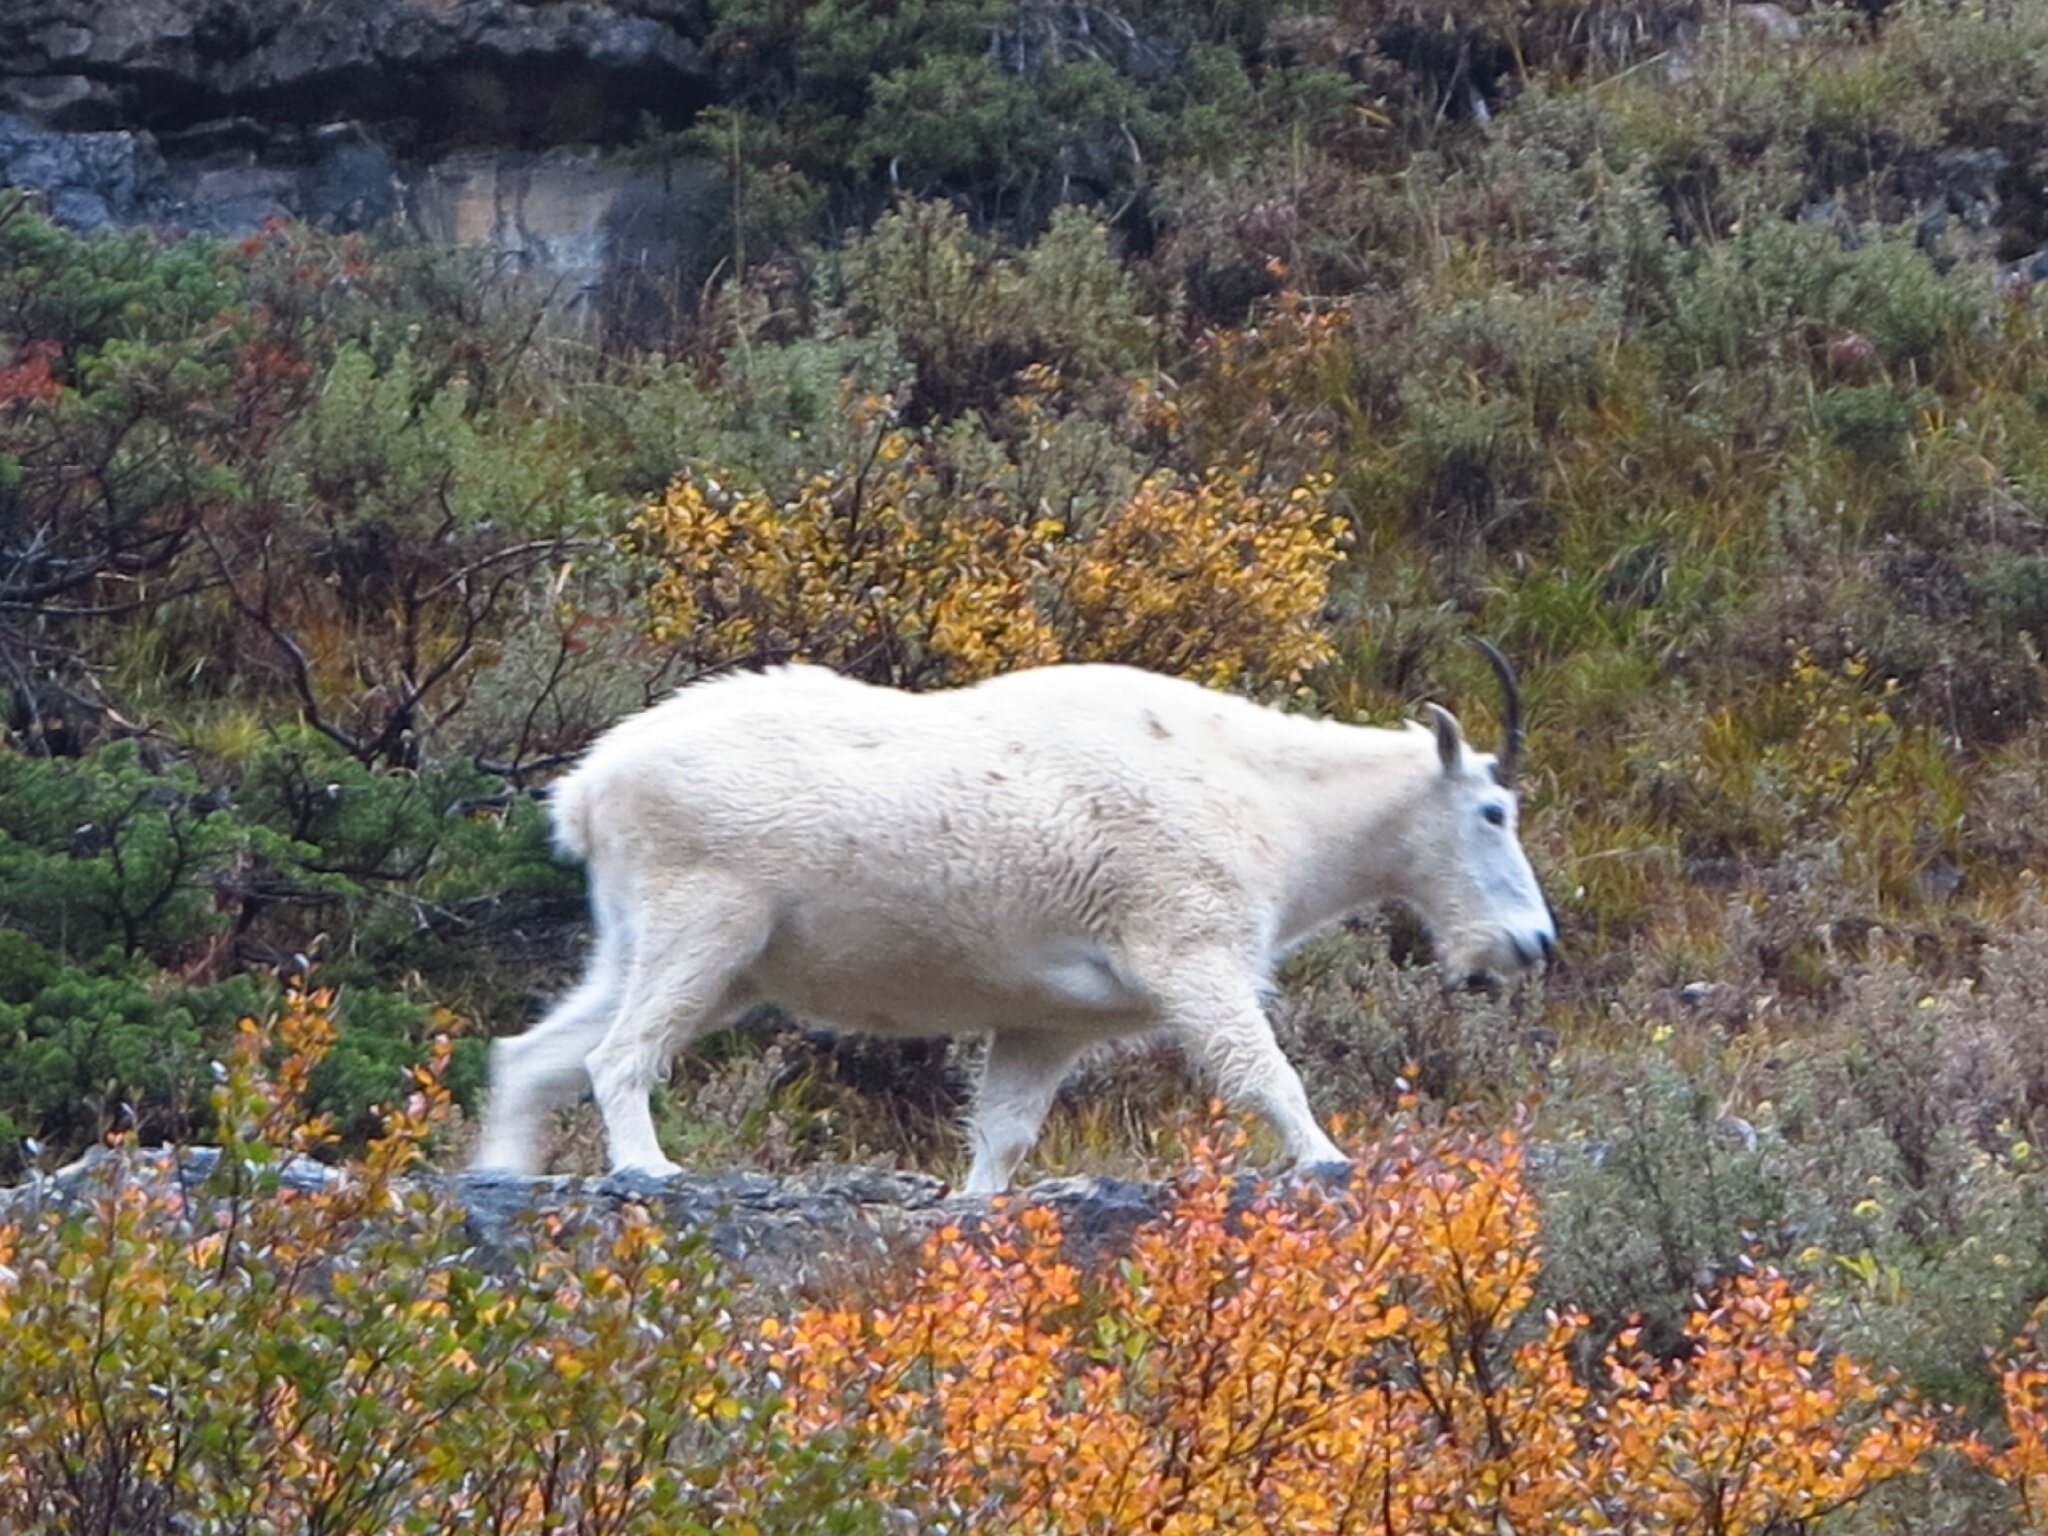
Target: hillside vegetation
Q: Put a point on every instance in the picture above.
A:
(1697, 364)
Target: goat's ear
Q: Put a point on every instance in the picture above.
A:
(1450, 736)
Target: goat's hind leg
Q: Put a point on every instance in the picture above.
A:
(534, 1072)
(696, 939)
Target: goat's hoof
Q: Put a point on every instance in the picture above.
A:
(1337, 1174)
(499, 1173)
(638, 1181)
(660, 1168)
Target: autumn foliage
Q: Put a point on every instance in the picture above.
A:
(1332, 1360)
(2021, 1463)
(28, 377)
(276, 1348)
(897, 567)
(269, 1349)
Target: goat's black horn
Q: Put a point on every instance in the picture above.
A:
(1511, 712)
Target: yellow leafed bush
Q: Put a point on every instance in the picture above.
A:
(896, 568)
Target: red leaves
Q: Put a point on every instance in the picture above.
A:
(29, 377)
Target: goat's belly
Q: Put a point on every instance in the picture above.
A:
(895, 984)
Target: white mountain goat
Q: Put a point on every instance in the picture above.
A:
(1053, 858)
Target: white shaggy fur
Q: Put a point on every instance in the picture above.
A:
(1055, 858)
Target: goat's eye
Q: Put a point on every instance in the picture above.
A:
(1495, 815)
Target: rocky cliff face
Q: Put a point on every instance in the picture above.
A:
(435, 71)
(473, 122)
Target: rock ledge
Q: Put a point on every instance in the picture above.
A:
(784, 1230)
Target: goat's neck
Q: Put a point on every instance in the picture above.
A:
(1353, 809)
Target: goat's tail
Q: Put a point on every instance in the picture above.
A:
(570, 810)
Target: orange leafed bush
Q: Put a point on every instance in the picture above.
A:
(2022, 1463)
(872, 567)
(899, 569)
(1354, 1360)
(1214, 580)
(1752, 1427)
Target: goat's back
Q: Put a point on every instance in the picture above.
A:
(1023, 782)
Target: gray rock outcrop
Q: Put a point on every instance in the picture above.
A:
(519, 73)
(784, 1231)
(474, 123)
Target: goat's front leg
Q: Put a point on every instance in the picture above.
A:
(1019, 1080)
(1224, 1029)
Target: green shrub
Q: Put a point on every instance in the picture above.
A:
(106, 855)
(969, 314)
(2015, 589)
(133, 896)
(1653, 1196)
(91, 1051)
(1871, 419)
(1743, 299)
(1471, 466)
(1366, 1030)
